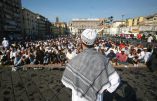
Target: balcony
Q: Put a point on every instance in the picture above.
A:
(8, 27)
(16, 15)
(10, 22)
(8, 11)
(8, 16)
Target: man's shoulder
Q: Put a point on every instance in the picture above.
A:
(87, 55)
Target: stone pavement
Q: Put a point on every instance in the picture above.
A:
(42, 83)
(32, 85)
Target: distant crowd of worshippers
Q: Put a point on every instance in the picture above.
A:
(37, 52)
(60, 50)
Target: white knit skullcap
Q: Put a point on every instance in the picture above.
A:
(88, 36)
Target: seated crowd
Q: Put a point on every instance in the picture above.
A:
(125, 54)
(60, 50)
(38, 52)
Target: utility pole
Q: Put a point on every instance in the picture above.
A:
(122, 21)
(110, 23)
(122, 16)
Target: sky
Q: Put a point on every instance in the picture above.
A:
(67, 10)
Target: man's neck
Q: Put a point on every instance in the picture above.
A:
(84, 47)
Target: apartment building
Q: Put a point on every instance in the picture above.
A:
(137, 21)
(151, 20)
(10, 17)
(29, 22)
(41, 22)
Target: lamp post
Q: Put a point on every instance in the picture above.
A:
(122, 16)
(122, 22)
(110, 22)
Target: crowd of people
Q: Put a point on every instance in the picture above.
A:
(140, 37)
(36, 52)
(60, 50)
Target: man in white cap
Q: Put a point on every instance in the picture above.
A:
(90, 74)
(5, 43)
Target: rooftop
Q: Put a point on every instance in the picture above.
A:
(87, 19)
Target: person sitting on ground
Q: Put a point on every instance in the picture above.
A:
(69, 54)
(127, 50)
(150, 38)
(12, 55)
(53, 57)
(39, 56)
(31, 57)
(136, 60)
(18, 59)
(108, 44)
(148, 53)
(109, 49)
(46, 58)
(140, 54)
(26, 59)
(62, 57)
(131, 56)
(122, 57)
(4, 58)
(121, 45)
(111, 55)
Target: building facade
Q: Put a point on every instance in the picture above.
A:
(78, 25)
(138, 21)
(48, 27)
(129, 22)
(35, 25)
(29, 23)
(1, 16)
(10, 17)
(59, 28)
(60, 24)
(115, 27)
(151, 20)
(41, 22)
(118, 23)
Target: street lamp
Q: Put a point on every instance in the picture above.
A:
(110, 22)
(122, 16)
(122, 21)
